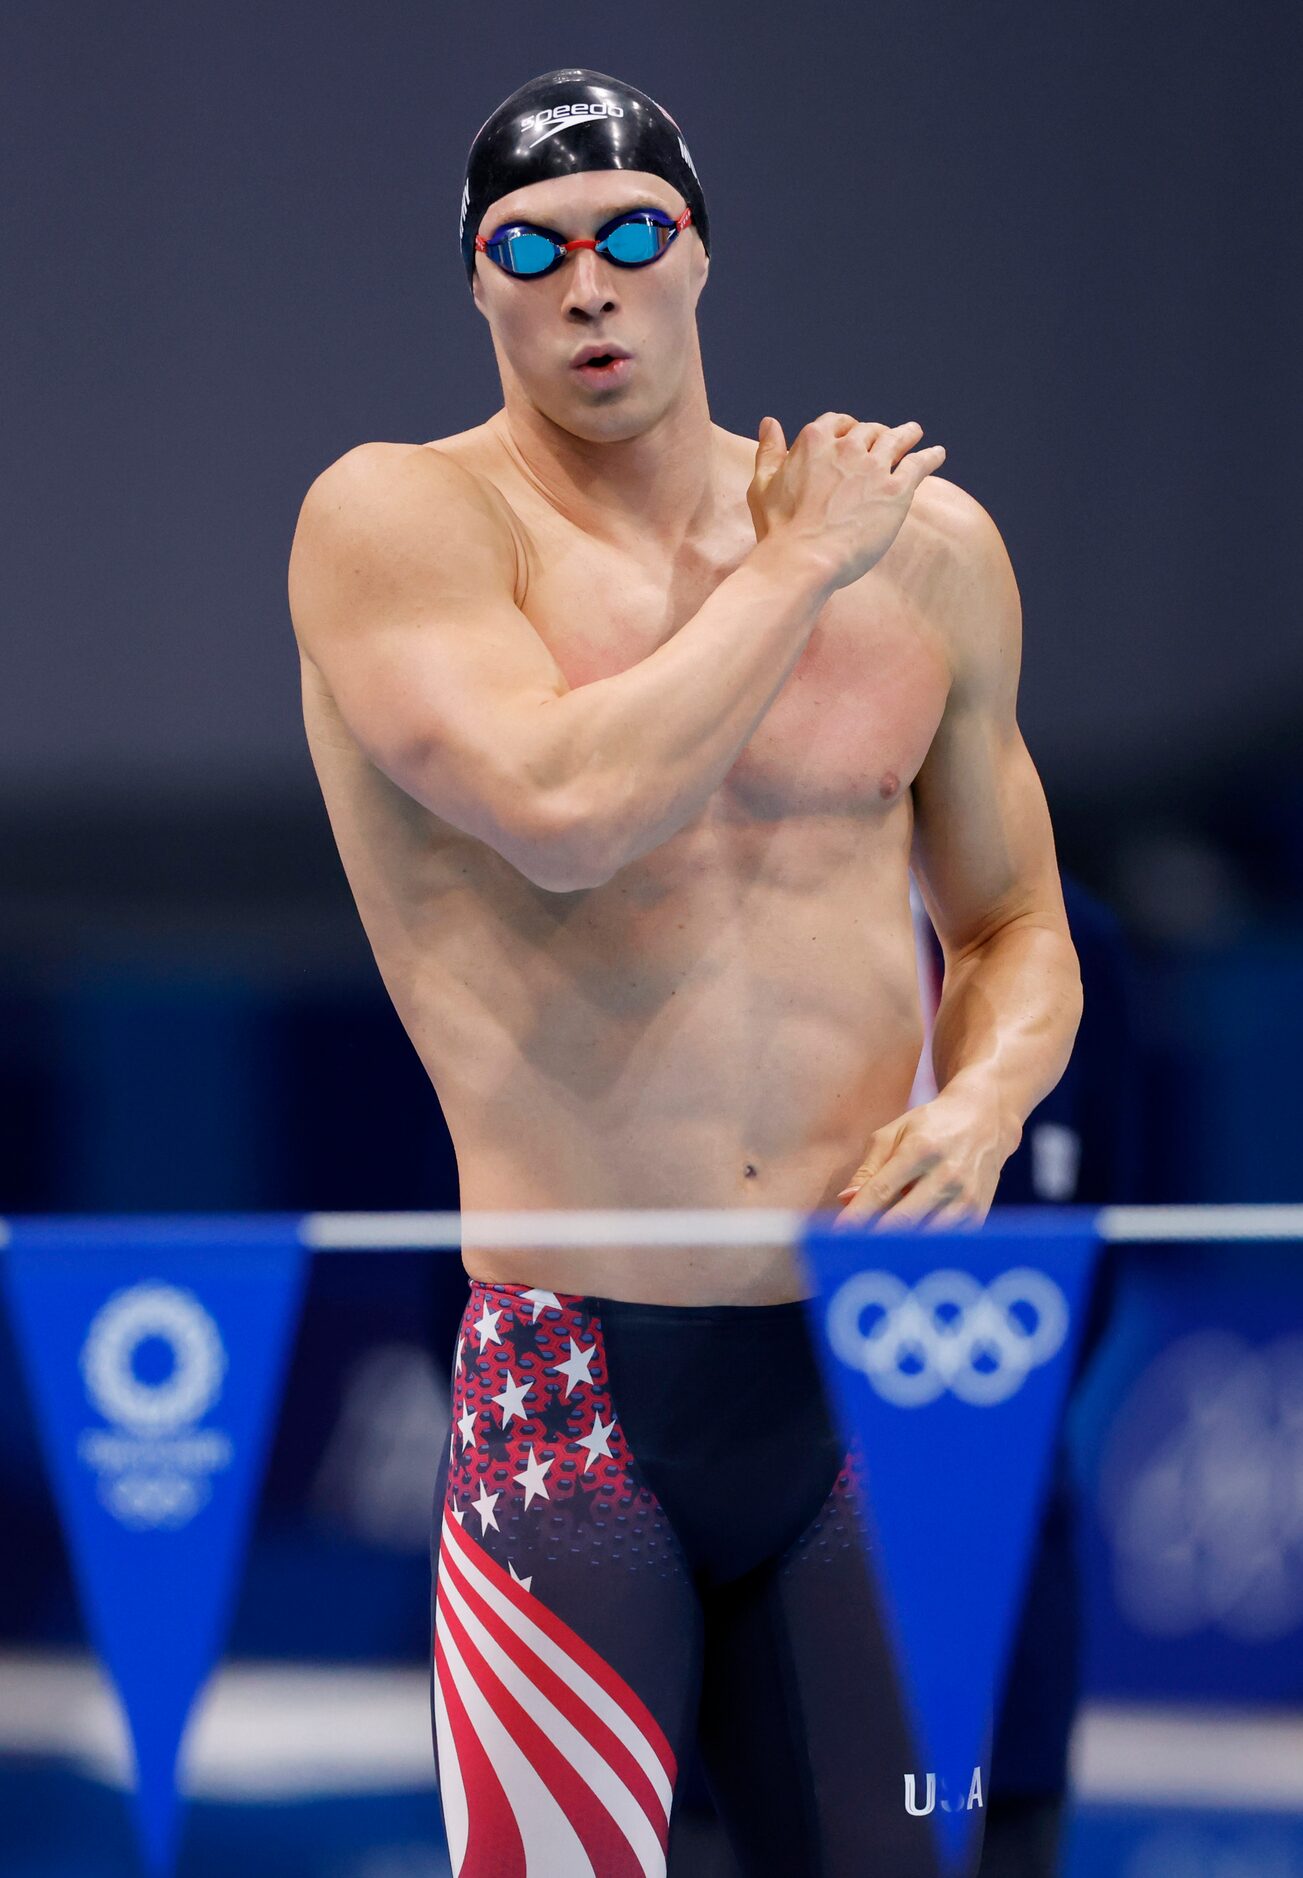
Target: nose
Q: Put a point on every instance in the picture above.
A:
(589, 288)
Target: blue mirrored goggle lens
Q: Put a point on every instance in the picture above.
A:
(630, 243)
(525, 253)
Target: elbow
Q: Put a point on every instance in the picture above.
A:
(1076, 989)
(568, 847)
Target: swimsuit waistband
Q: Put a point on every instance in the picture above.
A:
(631, 1309)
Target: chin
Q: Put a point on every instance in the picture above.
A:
(613, 421)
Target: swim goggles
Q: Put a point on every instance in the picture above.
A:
(630, 240)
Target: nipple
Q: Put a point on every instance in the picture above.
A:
(889, 785)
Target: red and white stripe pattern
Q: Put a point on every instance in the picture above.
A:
(549, 1765)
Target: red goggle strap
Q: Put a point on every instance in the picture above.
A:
(680, 223)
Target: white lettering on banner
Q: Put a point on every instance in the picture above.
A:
(911, 1796)
(967, 1805)
(155, 1466)
(947, 1333)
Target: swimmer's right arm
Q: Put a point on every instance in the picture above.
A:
(402, 582)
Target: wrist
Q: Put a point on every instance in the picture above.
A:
(797, 565)
(981, 1096)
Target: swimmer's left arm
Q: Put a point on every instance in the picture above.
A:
(985, 864)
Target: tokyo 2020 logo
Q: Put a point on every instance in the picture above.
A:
(154, 1465)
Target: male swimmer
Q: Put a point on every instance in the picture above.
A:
(629, 730)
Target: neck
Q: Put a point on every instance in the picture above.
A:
(659, 486)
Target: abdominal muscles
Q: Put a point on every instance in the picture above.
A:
(735, 1005)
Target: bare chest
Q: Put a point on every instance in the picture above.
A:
(849, 729)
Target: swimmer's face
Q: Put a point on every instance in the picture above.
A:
(650, 312)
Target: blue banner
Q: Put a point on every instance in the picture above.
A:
(949, 1355)
(1188, 1436)
(155, 1352)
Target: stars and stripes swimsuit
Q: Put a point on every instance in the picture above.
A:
(647, 1531)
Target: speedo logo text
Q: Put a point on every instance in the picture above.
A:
(556, 117)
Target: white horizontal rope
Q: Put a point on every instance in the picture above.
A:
(725, 1226)
(652, 1226)
(1134, 1225)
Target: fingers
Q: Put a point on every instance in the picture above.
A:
(891, 444)
(861, 437)
(955, 1214)
(899, 1175)
(882, 1145)
(832, 426)
(893, 447)
(923, 1204)
(911, 1184)
(771, 452)
(833, 423)
(922, 463)
(888, 442)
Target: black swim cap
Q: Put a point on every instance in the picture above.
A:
(567, 121)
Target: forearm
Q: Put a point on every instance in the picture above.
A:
(647, 747)
(1006, 1023)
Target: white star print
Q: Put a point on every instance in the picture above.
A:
(575, 1368)
(484, 1507)
(524, 1583)
(509, 1402)
(532, 1478)
(597, 1440)
(457, 1365)
(540, 1300)
(459, 1514)
(488, 1326)
(466, 1423)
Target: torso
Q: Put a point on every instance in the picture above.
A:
(725, 1021)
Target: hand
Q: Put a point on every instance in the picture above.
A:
(842, 491)
(937, 1165)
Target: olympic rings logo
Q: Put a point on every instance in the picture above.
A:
(948, 1333)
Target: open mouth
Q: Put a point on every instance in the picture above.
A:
(605, 368)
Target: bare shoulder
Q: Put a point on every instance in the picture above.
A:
(393, 520)
(957, 569)
(947, 536)
(955, 530)
(374, 476)
(403, 499)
